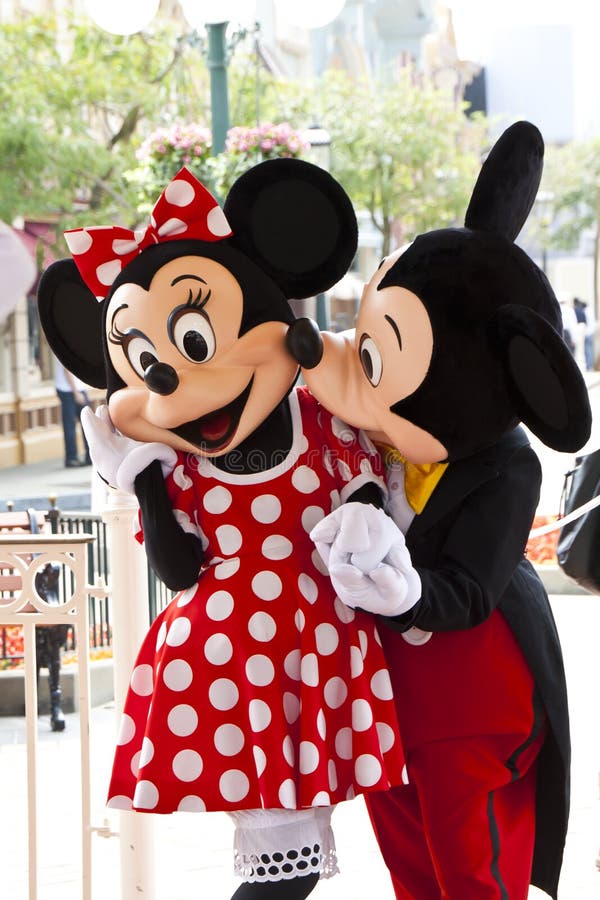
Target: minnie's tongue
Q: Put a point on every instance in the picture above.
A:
(216, 426)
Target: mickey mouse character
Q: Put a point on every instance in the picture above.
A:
(256, 691)
(457, 339)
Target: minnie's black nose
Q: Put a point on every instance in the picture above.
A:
(161, 378)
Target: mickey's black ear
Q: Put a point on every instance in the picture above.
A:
(296, 222)
(544, 382)
(508, 182)
(72, 321)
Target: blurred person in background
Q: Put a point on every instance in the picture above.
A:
(72, 393)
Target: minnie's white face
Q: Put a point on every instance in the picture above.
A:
(191, 381)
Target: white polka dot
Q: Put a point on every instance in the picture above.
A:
(229, 538)
(289, 753)
(177, 675)
(267, 585)
(260, 670)
(356, 662)
(179, 632)
(223, 694)
(182, 720)
(259, 714)
(217, 222)
(343, 743)
(327, 639)
(217, 500)
(146, 795)
(183, 481)
(405, 778)
(187, 596)
(362, 715)
(226, 569)
(344, 470)
(262, 627)
(299, 620)
(119, 801)
(229, 739)
(260, 760)
(277, 547)
(172, 226)
(291, 664)
(363, 641)
(191, 803)
(141, 680)
(219, 606)
(327, 462)
(309, 670)
(367, 770)
(147, 752)
(321, 725)
(135, 763)
(350, 793)
(126, 730)
(310, 517)
(287, 794)
(234, 785)
(266, 508)
(321, 799)
(78, 241)
(309, 757)
(187, 765)
(332, 775)
(218, 649)
(108, 271)
(366, 443)
(308, 587)
(291, 707)
(386, 735)
(180, 192)
(305, 480)
(161, 636)
(335, 692)
(366, 467)
(318, 562)
(344, 613)
(342, 431)
(303, 444)
(381, 685)
(334, 500)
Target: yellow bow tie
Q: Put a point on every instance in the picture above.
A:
(420, 479)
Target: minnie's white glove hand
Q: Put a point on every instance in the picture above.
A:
(368, 562)
(119, 459)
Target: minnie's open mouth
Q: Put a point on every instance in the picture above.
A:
(214, 431)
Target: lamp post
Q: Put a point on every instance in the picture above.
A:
(543, 204)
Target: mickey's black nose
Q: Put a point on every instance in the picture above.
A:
(161, 378)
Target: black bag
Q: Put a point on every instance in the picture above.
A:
(578, 548)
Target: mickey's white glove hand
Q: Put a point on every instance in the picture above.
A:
(119, 459)
(368, 562)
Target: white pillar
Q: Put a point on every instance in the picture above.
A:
(129, 585)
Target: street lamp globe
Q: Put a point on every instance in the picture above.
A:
(118, 17)
(309, 13)
(215, 12)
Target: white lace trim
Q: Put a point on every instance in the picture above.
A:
(281, 865)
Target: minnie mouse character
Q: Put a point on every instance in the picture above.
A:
(458, 338)
(256, 691)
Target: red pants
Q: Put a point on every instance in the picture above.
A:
(463, 829)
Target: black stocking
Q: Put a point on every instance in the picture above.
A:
(295, 889)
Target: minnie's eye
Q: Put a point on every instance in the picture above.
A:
(141, 354)
(193, 336)
(370, 359)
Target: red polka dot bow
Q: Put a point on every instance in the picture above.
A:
(185, 209)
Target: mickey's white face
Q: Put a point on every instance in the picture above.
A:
(364, 373)
(191, 381)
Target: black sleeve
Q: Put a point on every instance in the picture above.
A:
(174, 554)
(481, 551)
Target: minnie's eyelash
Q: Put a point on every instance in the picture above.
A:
(115, 335)
(198, 301)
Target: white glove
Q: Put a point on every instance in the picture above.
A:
(119, 459)
(368, 562)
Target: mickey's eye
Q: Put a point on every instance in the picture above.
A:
(370, 359)
(192, 334)
(141, 353)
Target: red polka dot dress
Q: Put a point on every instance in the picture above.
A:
(257, 687)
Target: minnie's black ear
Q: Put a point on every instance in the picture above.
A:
(72, 321)
(296, 222)
(508, 182)
(544, 382)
